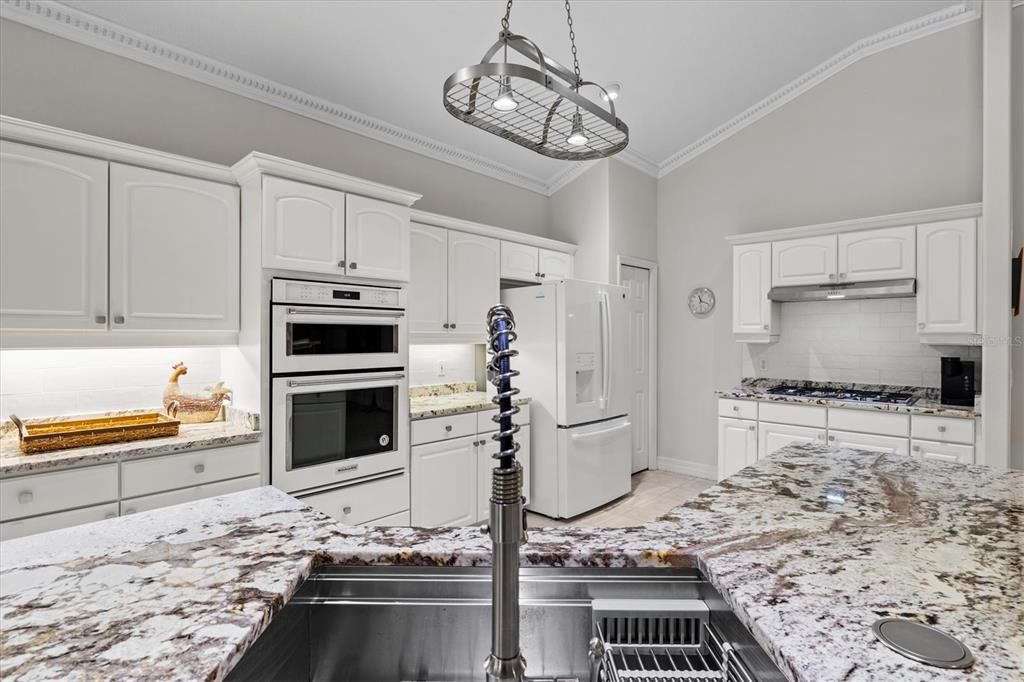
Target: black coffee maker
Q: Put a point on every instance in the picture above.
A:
(957, 382)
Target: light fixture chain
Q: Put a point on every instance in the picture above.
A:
(508, 11)
(572, 42)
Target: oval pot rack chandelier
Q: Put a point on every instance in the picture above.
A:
(538, 106)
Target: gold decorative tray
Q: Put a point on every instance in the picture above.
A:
(44, 436)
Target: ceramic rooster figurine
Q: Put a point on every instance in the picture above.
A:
(191, 408)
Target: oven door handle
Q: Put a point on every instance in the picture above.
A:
(346, 312)
(294, 383)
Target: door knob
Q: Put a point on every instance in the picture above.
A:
(352, 265)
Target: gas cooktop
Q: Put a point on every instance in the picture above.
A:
(850, 395)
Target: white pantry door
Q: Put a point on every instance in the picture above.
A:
(638, 311)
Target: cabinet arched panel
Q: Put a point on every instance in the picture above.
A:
(304, 227)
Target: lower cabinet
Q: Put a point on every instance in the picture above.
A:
(381, 502)
(942, 452)
(444, 483)
(737, 445)
(870, 441)
(771, 437)
(190, 494)
(40, 524)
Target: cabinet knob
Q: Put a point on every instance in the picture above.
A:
(832, 276)
(942, 429)
(110, 515)
(543, 275)
(129, 510)
(446, 325)
(842, 275)
(199, 468)
(118, 319)
(341, 264)
(752, 427)
(920, 325)
(353, 265)
(821, 436)
(735, 408)
(101, 319)
(832, 438)
(346, 510)
(25, 496)
(448, 427)
(452, 325)
(766, 327)
(916, 448)
(537, 274)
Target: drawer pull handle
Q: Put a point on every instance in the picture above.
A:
(110, 515)
(129, 510)
(346, 510)
(448, 427)
(25, 496)
(942, 429)
(353, 265)
(199, 468)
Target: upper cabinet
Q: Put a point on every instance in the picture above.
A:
(754, 317)
(428, 280)
(53, 240)
(947, 277)
(303, 227)
(524, 263)
(173, 251)
(874, 255)
(377, 239)
(811, 260)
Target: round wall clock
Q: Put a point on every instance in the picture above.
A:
(701, 301)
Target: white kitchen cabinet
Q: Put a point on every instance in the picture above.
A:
(947, 277)
(771, 437)
(869, 441)
(520, 262)
(47, 522)
(37, 494)
(444, 483)
(364, 502)
(486, 448)
(303, 227)
(753, 315)
(190, 494)
(942, 452)
(174, 249)
(376, 239)
(874, 255)
(428, 280)
(53, 240)
(554, 264)
(196, 467)
(810, 260)
(473, 283)
(737, 445)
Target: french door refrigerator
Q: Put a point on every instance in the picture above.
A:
(572, 357)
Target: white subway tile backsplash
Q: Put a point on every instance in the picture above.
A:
(460, 361)
(869, 341)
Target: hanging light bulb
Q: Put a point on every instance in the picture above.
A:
(505, 101)
(611, 92)
(577, 138)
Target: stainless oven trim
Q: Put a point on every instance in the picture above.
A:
(279, 288)
(345, 312)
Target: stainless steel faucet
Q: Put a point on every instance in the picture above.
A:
(508, 513)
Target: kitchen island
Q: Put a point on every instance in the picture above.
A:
(808, 546)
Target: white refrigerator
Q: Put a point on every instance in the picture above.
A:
(572, 357)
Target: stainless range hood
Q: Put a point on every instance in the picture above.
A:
(889, 288)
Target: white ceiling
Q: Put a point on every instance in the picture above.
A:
(685, 67)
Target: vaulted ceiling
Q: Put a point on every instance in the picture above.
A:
(686, 68)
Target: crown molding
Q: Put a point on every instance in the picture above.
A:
(897, 35)
(460, 225)
(81, 27)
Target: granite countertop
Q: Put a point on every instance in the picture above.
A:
(926, 400)
(809, 546)
(240, 427)
(442, 400)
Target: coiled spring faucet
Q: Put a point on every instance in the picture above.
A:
(508, 513)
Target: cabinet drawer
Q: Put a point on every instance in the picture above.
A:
(45, 493)
(443, 428)
(944, 429)
(866, 421)
(740, 409)
(942, 452)
(800, 415)
(356, 504)
(196, 492)
(485, 423)
(41, 524)
(159, 474)
(399, 519)
(869, 442)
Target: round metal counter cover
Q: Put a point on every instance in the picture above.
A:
(923, 643)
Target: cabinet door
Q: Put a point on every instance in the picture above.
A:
(942, 452)
(473, 285)
(737, 445)
(751, 280)
(376, 239)
(771, 437)
(554, 264)
(869, 441)
(444, 483)
(947, 277)
(53, 239)
(428, 280)
(878, 254)
(173, 251)
(303, 227)
(811, 260)
(519, 262)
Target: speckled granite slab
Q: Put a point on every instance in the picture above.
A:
(442, 405)
(926, 399)
(240, 427)
(809, 546)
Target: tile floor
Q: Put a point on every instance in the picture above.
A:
(654, 493)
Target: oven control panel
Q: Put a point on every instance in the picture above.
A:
(347, 295)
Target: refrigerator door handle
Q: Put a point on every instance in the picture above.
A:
(602, 432)
(606, 351)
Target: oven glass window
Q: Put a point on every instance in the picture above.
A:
(336, 425)
(341, 339)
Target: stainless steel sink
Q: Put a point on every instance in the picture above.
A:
(409, 623)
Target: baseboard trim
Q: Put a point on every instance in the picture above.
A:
(682, 466)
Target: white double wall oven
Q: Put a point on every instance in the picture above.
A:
(340, 399)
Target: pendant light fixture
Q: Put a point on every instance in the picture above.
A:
(538, 105)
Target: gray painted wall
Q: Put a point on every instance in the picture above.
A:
(633, 215)
(50, 80)
(898, 131)
(578, 213)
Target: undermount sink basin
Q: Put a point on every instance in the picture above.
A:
(415, 623)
